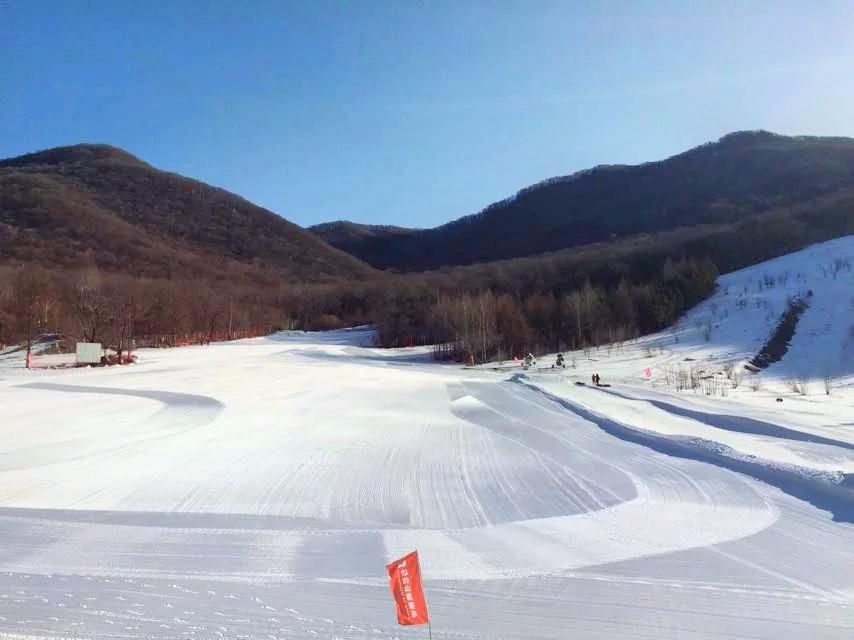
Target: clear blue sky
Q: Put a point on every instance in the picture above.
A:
(412, 112)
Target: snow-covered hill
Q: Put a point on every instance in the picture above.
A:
(743, 313)
(723, 333)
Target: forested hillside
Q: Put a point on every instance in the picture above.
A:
(98, 246)
(738, 177)
(59, 205)
(588, 295)
(347, 236)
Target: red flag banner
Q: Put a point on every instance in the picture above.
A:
(405, 580)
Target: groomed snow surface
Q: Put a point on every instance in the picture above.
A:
(256, 489)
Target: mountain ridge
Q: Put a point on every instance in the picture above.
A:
(76, 153)
(60, 203)
(736, 176)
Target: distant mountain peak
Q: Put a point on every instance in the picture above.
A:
(58, 204)
(83, 153)
(350, 225)
(343, 233)
(750, 135)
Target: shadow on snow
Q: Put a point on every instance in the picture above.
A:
(837, 498)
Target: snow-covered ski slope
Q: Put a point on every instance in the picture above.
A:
(749, 302)
(733, 325)
(807, 432)
(256, 489)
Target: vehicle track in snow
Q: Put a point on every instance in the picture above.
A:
(571, 482)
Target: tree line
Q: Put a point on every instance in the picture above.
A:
(492, 324)
(123, 312)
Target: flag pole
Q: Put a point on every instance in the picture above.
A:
(429, 630)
